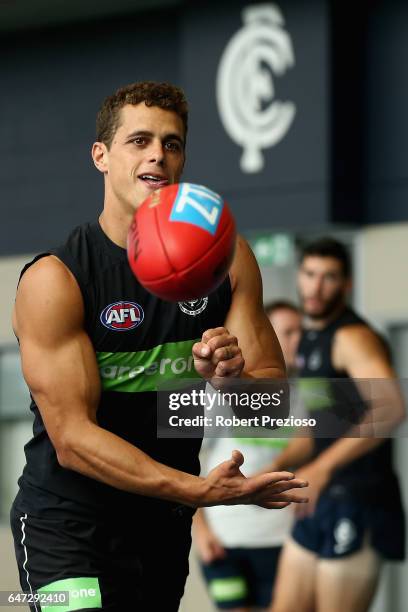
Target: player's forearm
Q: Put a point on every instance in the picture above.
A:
(346, 450)
(384, 415)
(199, 521)
(266, 381)
(297, 453)
(100, 454)
(265, 373)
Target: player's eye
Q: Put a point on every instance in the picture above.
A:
(139, 140)
(173, 145)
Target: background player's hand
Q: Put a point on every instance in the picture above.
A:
(218, 354)
(318, 477)
(208, 546)
(226, 485)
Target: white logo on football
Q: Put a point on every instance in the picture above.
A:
(344, 534)
(245, 90)
(194, 307)
(194, 195)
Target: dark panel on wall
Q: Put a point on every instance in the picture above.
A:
(347, 103)
(291, 187)
(386, 125)
(53, 82)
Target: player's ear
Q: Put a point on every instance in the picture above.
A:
(100, 156)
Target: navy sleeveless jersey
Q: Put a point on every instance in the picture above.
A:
(140, 341)
(363, 476)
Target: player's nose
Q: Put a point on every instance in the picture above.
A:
(317, 285)
(156, 152)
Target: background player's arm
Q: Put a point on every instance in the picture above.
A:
(208, 545)
(359, 352)
(61, 371)
(247, 346)
(297, 453)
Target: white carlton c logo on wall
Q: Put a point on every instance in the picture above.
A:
(251, 115)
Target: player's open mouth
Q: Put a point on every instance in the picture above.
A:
(154, 180)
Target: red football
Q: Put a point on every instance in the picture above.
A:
(181, 242)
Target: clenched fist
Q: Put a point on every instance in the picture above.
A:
(218, 354)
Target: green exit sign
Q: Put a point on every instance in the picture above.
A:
(272, 249)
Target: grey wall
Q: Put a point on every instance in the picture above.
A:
(53, 82)
(343, 160)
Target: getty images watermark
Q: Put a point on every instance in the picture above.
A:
(212, 400)
(325, 408)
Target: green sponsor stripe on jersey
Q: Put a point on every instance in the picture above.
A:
(145, 370)
(241, 433)
(84, 592)
(316, 393)
(270, 442)
(228, 589)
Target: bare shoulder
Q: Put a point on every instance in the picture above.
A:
(360, 337)
(47, 296)
(244, 269)
(357, 344)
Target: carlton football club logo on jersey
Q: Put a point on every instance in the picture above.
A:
(314, 361)
(345, 533)
(122, 316)
(194, 307)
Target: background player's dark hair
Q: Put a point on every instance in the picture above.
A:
(329, 247)
(164, 95)
(271, 307)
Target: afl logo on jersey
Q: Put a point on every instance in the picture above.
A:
(122, 316)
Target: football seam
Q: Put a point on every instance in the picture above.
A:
(163, 247)
(178, 272)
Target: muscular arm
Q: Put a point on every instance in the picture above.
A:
(297, 453)
(60, 368)
(247, 319)
(247, 345)
(359, 352)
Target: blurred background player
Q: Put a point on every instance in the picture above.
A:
(239, 547)
(354, 518)
(286, 320)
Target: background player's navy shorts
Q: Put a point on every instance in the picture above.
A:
(338, 526)
(136, 563)
(244, 577)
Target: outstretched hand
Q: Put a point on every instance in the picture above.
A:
(227, 485)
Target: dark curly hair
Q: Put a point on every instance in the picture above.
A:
(329, 247)
(164, 95)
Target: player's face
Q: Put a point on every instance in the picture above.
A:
(288, 327)
(147, 152)
(322, 286)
